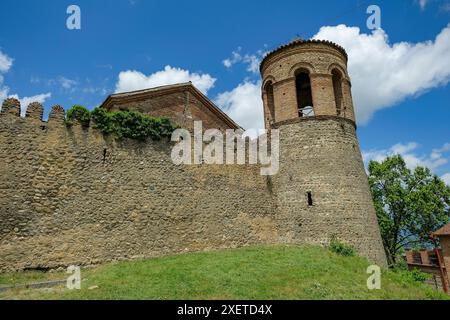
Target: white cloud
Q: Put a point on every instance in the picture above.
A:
(3, 91)
(446, 178)
(423, 3)
(384, 74)
(5, 65)
(95, 90)
(35, 80)
(244, 105)
(67, 83)
(235, 58)
(251, 60)
(434, 160)
(444, 148)
(134, 80)
(25, 101)
(404, 148)
(5, 62)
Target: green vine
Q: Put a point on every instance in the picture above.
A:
(124, 124)
(78, 113)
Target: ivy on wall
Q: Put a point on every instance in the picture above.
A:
(78, 113)
(123, 124)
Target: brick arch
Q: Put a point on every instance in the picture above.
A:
(301, 65)
(269, 100)
(337, 80)
(338, 67)
(303, 89)
(266, 80)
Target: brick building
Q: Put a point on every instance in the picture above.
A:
(443, 235)
(427, 262)
(436, 263)
(182, 103)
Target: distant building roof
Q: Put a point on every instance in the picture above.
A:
(144, 94)
(444, 231)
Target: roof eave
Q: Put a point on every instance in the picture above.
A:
(299, 42)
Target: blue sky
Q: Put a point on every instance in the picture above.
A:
(124, 42)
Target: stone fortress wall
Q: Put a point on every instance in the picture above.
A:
(75, 196)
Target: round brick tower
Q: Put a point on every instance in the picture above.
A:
(321, 188)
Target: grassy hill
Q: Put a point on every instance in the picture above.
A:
(274, 272)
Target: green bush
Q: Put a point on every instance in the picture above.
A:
(400, 264)
(418, 275)
(102, 120)
(131, 124)
(79, 113)
(414, 275)
(341, 248)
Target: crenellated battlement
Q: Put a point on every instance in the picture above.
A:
(34, 112)
(57, 115)
(11, 106)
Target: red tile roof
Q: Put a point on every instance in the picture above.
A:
(162, 90)
(444, 231)
(299, 42)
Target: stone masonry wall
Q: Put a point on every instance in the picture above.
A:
(63, 202)
(74, 196)
(322, 156)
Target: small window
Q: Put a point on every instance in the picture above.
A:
(337, 88)
(417, 257)
(310, 199)
(270, 101)
(432, 257)
(304, 94)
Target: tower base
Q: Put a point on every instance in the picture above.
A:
(322, 189)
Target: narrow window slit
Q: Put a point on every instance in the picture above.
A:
(337, 88)
(310, 199)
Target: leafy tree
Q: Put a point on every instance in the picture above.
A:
(410, 205)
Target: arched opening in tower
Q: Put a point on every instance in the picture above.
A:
(304, 95)
(337, 88)
(270, 101)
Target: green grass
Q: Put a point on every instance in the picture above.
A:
(8, 279)
(275, 272)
